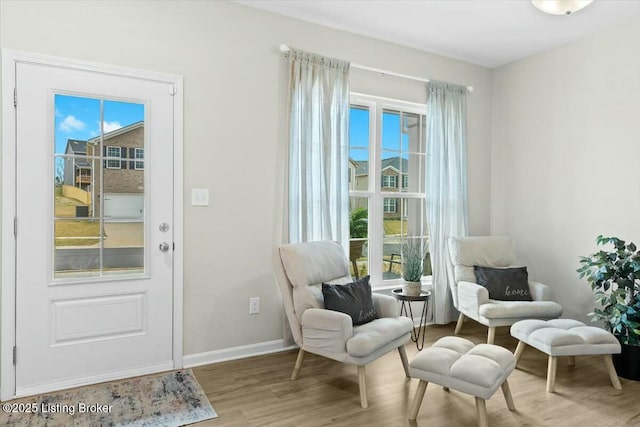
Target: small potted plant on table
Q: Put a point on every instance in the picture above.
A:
(413, 251)
(614, 277)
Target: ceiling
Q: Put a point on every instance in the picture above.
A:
(490, 33)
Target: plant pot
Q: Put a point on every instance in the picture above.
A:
(355, 249)
(411, 288)
(627, 363)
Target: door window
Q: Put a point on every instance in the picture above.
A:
(99, 187)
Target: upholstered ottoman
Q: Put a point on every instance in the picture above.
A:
(459, 364)
(566, 337)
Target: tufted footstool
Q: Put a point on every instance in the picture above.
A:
(459, 364)
(566, 337)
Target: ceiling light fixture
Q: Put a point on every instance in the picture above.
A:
(560, 7)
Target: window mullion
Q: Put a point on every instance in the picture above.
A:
(376, 229)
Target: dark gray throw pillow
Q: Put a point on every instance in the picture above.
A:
(353, 299)
(505, 284)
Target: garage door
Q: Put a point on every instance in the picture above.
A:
(123, 205)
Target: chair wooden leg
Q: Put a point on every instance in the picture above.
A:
(491, 335)
(417, 400)
(552, 367)
(572, 361)
(363, 387)
(507, 396)
(405, 362)
(459, 324)
(613, 375)
(519, 350)
(296, 369)
(481, 408)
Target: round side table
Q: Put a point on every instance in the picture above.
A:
(406, 310)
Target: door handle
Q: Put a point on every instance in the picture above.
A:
(164, 246)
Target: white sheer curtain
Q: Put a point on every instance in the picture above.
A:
(318, 202)
(446, 167)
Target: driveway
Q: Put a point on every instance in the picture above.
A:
(124, 234)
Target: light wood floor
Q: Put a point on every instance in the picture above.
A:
(258, 392)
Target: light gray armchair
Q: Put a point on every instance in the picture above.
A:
(301, 269)
(472, 300)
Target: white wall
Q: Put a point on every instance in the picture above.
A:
(235, 86)
(566, 156)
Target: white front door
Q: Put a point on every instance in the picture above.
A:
(93, 298)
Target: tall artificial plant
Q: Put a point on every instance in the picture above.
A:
(614, 277)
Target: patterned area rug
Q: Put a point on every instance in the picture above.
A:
(170, 399)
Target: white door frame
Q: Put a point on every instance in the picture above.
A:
(8, 209)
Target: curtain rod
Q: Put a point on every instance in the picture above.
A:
(285, 48)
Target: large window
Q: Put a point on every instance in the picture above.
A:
(387, 143)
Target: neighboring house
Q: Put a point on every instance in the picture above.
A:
(394, 178)
(122, 171)
(353, 166)
(77, 170)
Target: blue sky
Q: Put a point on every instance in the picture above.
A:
(79, 118)
(359, 134)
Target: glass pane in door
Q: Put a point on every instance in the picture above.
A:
(77, 231)
(123, 192)
(98, 187)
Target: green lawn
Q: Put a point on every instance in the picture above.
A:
(73, 232)
(64, 206)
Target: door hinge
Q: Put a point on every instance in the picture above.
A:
(15, 96)
(172, 90)
(174, 246)
(14, 354)
(15, 226)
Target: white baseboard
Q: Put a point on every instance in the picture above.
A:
(233, 353)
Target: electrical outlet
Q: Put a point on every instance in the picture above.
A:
(254, 305)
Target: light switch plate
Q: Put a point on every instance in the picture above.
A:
(199, 197)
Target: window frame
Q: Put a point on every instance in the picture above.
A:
(375, 194)
(113, 158)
